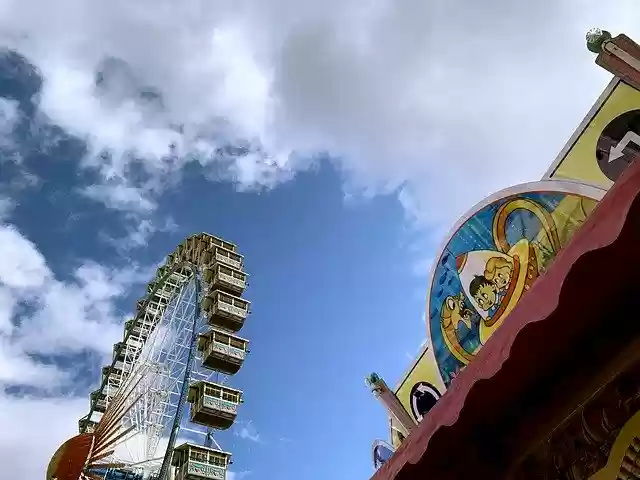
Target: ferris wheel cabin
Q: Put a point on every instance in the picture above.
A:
(86, 425)
(225, 310)
(226, 278)
(217, 242)
(122, 354)
(195, 462)
(112, 378)
(205, 249)
(135, 328)
(214, 405)
(98, 401)
(222, 351)
(215, 254)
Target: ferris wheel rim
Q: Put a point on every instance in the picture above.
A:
(186, 379)
(191, 273)
(143, 308)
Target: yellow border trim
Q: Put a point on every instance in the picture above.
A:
(627, 434)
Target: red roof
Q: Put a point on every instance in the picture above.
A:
(507, 396)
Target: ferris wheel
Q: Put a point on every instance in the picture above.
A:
(166, 390)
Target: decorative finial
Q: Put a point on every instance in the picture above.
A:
(372, 379)
(596, 38)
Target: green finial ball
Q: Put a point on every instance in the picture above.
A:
(373, 378)
(595, 39)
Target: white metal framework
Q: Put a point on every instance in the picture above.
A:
(150, 366)
(144, 387)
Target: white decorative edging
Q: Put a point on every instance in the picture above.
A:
(214, 403)
(205, 470)
(226, 350)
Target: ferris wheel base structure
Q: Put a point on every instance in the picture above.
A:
(170, 369)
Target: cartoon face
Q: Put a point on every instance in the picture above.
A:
(499, 270)
(457, 311)
(485, 296)
(502, 277)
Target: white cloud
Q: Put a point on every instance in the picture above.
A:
(32, 430)
(24, 267)
(138, 232)
(72, 317)
(238, 475)
(41, 316)
(9, 118)
(68, 317)
(6, 207)
(427, 95)
(18, 369)
(119, 196)
(9, 115)
(247, 431)
(8, 303)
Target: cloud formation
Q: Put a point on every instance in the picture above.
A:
(424, 96)
(48, 331)
(441, 102)
(29, 437)
(247, 431)
(65, 317)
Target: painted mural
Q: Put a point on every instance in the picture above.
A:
(492, 258)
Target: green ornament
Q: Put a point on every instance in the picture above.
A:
(596, 38)
(373, 378)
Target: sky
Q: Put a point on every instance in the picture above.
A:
(335, 142)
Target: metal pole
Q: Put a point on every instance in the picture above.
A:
(391, 403)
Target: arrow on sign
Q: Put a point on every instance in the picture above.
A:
(616, 150)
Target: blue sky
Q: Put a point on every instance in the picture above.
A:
(336, 288)
(334, 142)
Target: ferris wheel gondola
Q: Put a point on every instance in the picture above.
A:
(176, 354)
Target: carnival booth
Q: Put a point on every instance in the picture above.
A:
(532, 359)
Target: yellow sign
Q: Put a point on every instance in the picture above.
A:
(422, 386)
(606, 141)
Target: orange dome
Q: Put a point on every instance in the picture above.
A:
(69, 460)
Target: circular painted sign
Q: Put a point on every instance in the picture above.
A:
(618, 144)
(423, 397)
(491, 259)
